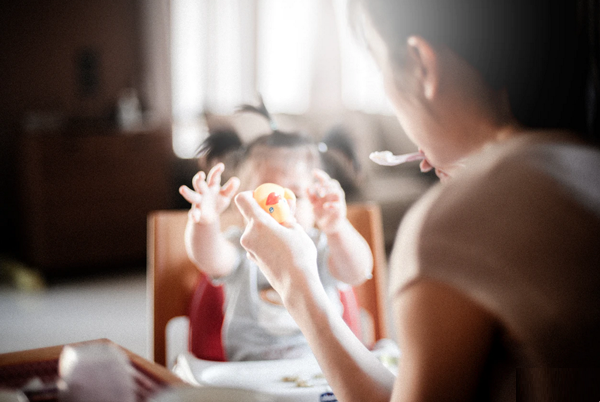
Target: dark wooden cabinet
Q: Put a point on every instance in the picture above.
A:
(85, 198)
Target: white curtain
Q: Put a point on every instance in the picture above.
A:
(362, 86)
(212, 47)
(286, 47)
(225, 52)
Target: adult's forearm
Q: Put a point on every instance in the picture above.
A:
(352, 371)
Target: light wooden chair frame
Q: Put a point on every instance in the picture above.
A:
(172, 276)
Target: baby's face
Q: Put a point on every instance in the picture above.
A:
(290, 172)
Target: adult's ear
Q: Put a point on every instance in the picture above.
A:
(425, 60)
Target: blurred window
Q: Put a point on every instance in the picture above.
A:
(286, 43)
(223, 52)
(362, 86)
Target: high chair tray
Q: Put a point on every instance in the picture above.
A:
(287, 380)
(292, 380)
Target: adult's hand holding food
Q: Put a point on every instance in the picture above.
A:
(277, 201)
(284, 252)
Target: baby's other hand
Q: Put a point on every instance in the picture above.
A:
(208, 198)
(329, 202)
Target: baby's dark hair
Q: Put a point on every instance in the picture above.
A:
(220, 142)
(340, 161)
(225, 145)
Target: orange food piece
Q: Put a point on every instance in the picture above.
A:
(273, 199)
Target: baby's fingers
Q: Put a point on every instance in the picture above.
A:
(230, 188)
(197, 180)
(325, 184)
(321, 175)
(214, 176)
(331, 197)
(190, 195)
(332, 205)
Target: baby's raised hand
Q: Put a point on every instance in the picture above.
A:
(208, 198)
(329, 202)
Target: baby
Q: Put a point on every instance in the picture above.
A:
(256, 325)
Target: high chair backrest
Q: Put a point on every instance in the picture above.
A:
(173, 278)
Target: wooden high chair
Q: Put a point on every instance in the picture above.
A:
(172, 277)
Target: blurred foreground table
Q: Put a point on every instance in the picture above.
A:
(19, 368)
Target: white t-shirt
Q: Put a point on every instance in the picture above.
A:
(256, 326)
(518, 232)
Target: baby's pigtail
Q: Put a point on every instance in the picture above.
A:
(340, 161)
(261, 109)
(223, 144)
(339, 139)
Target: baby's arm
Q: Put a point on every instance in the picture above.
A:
(206, 246)
(350, 258)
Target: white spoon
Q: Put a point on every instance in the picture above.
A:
(386, 158)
